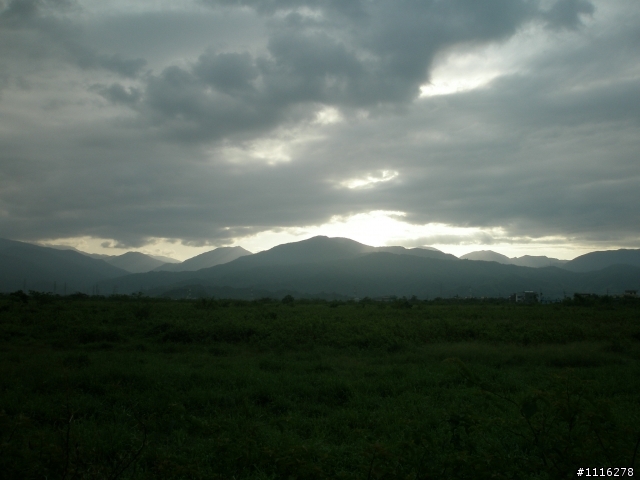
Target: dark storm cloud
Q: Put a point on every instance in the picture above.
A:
(114, 63)
(228, 72)
(364, 56)
(550, 149)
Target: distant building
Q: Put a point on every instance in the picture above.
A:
(524, 297)
(630, 293)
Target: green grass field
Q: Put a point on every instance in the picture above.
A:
(135, 388)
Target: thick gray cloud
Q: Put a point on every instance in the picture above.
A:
(217, 135)
(117, 94)
(380, 57)
(38, 29)
(566, 13)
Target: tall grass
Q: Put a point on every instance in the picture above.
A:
(138, 388)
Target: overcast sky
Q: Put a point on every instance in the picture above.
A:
(173, 127)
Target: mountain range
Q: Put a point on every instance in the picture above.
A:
(339, 266)
(137, 262)
(320, 267)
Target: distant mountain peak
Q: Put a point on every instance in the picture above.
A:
(134, 262)
(487, 256)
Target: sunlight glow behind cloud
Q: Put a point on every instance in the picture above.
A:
(388, 228)
(269, 151)
(328, 115)
(462, 72)
(371, 180)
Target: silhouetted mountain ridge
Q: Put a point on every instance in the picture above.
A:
(325, 249)
(538, 261)
(23, 265)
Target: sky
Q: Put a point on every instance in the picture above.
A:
(175, 127)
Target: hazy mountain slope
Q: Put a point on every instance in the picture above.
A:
(134, 262)
(39, 267)
(160, 258)
(64, 247)
(164, 259)
(100, 256)
(599, 260)
(5, 243)
(614, 279)
(206, 260)
(487, 256)
(537, 261)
